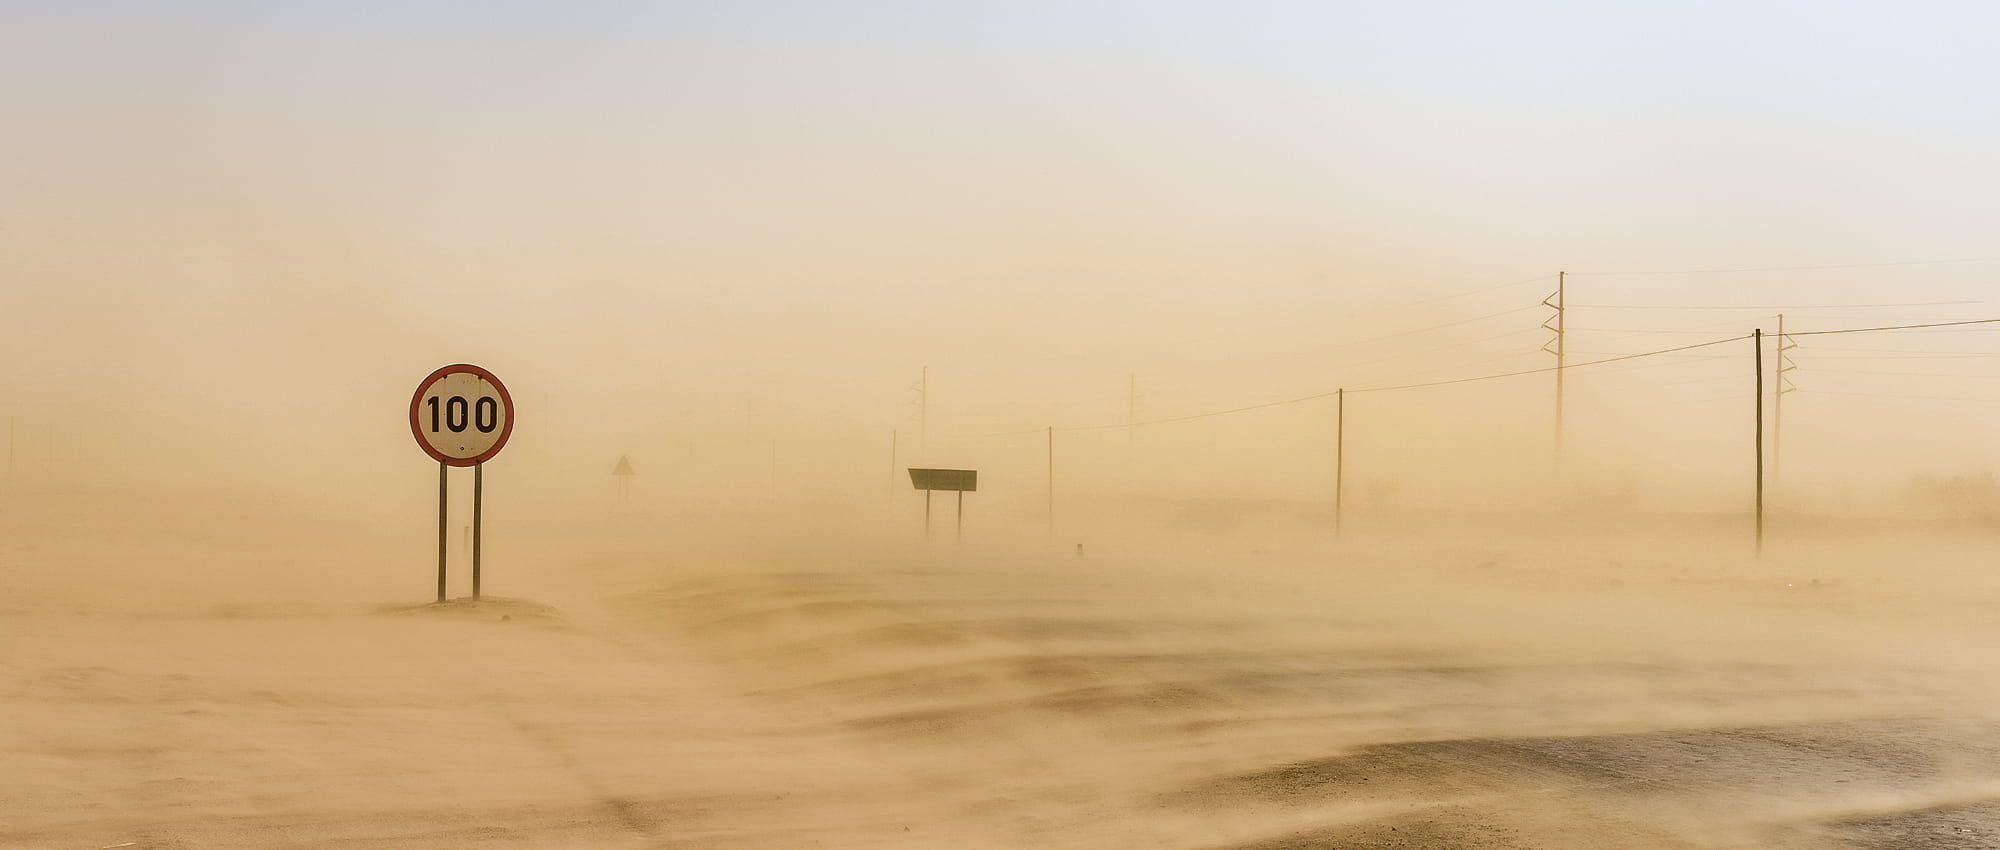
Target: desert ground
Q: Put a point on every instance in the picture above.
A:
(202, 674)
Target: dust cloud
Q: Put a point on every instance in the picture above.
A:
(1288, 532)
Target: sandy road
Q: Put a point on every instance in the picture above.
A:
(396, 730)
(1139, 706)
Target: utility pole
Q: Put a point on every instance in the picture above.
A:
(1557, 303)
(1758, 337)
(1131, 406)
(1339, 454)
(1052, 481)
(1782, 387)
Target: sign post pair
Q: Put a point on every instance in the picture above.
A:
(960, 480)
(461, 416)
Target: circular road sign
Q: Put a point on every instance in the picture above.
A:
(461, 415)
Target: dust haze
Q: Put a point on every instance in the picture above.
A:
(1552, 427)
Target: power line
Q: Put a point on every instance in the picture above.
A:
(1817, 370)
(1713, 327)
(1470, 292)
(1851, 354)
(1636, 331)
(1421, 352)
(1773, 306)
(1446, 347)
(1482, 361)
(1821, 349)
(1439, 327)
(1685, 402)
(1896, 327)
(1689, 356)
(1423, 385)
(1899, 395)
(1621, 391)
(1797, 268)
(1959, 331)
(1547, 369)
(1430, 350)
(1850, 317)
(1304, 322)
(1477, 378)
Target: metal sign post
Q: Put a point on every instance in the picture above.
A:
(478, 502)
(441, 502)
(461, 415)
(958, 480)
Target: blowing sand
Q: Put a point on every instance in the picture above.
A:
(162, 690)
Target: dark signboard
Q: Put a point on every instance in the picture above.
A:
(962, 480)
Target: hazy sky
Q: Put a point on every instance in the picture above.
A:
(262, 222)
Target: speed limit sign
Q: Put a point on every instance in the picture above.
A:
(461, 415)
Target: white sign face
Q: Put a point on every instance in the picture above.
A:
(462, 415)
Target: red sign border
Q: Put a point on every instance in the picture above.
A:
(505, 431)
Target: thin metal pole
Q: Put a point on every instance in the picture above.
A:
(1052, 480)
(927, 513)
(1758, 337)
(478, 505)
(1339, 455)
(1778, 403)
(441, 495)
(1562, 289)
(1131, 406)
(958, 533)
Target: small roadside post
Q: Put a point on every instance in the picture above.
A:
(957, 480)
(461, 415)
(623, 472)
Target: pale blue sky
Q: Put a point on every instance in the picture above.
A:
(811, 199)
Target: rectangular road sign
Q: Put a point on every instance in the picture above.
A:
(961, 480)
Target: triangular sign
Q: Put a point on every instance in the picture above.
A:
(624, 467)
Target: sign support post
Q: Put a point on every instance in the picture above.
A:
(478, 502)
(441, 503)
(959, 480)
